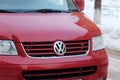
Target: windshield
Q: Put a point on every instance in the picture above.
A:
(36, 5)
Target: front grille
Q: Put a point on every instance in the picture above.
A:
(59, 73)
(45, 49)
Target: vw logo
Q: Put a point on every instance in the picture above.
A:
(59, 48)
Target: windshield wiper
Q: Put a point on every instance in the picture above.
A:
(5, 11)
(49, 11)
(35, 11)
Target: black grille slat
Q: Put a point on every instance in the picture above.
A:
(45, 49)
(28, 43)
(75, 53)
(75, 45)
(59, 73)
(45, 55)
(36, 47)
(39, 51)
(76, 41)
(76, 49)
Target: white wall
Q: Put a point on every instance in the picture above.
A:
(110, 9)
(110, 25)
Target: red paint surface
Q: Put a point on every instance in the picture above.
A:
(48, 27)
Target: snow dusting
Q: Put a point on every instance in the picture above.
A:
(110, 25)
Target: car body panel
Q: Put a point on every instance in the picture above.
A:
(69, 26)
(43, 27)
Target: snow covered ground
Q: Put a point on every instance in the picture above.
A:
(110, 26)
(114, 68)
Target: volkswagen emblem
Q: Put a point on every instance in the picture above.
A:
(59, 48)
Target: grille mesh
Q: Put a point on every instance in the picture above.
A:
(59, 73)
(45, 49)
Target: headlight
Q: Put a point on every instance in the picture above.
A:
(7, 47)
(97, 43)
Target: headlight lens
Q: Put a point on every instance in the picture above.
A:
(97, 43)
(7, 47)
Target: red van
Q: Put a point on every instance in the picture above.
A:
(49, 40)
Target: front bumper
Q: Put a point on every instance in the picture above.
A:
(12, 67)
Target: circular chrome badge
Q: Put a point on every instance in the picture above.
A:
(59, 48)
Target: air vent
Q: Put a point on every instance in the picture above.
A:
(59, 73)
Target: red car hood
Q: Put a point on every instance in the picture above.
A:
(43, 27)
